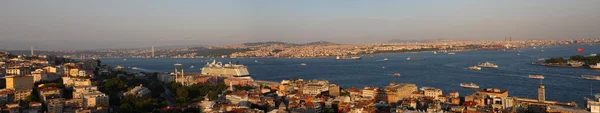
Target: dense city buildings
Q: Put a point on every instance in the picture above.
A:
(314, 49)
(32, 84)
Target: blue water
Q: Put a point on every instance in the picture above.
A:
(441, 71)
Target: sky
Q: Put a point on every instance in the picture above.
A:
(100, 24)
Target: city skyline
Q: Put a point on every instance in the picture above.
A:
(133, 24)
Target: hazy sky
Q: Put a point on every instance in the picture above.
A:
(87, 24)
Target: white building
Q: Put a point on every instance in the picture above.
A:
(315, 87)
(166, 77)
(39, 75)
(432, 92)
(139, 91)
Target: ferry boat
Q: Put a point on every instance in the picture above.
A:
(434, 52)
(518, 54)
(303, 64)
(597, 66)
(476, 68)
(385, 59)
(134, 68)
(415, 58)
(469, 85)
(397, 74)
(488, 65)
(348, 58)
(226, 70)
(451, 53)
(541, 59)
(541, 77)
(590, 77)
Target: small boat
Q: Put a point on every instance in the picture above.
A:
(541, 59)
(303, 64)
(533, 76)
(590, 77)
(518, 54)
(434, 52)
(124, 59)
(488, 65)
(348, 58)
(476, 68)
(191, 66)
(397, 74)
(256, 61)
(415, 58)
(382, 67)
(134, 68)
(469, 85)
(451, 53)
(385, 59)
(542, 50)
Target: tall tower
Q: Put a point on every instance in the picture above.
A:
(152, 51)
(177, 73)
(32, 51)
(541, 94)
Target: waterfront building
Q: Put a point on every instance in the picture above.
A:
(432, 92)
(238, 81)
(139, 91)
(454, 94)
(370, 92)
(315, 87)
(541, 94)
(334, 90)
(399, 91)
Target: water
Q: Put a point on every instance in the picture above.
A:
(438, 70)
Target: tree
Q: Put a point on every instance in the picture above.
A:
(213, 95)
(555, 60)
(182, 93)
(577, 58)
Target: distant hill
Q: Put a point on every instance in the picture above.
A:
(428, 40)
(320, 43)
(204, 51)
(269, 43)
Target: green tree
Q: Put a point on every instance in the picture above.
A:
(577, 58)
(182, 93)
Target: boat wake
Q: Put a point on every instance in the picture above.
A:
(142, 69)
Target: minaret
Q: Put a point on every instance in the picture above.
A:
(32, 51)
(541, 94)
(152, 51)
(177, 72)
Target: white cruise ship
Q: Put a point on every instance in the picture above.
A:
(488, 65)
(227, 70)
(537, 76)
(469, 85)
